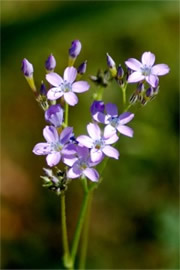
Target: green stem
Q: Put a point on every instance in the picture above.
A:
(66, 114)
(79, 226)
(123, 87)
(66, 256)
(64, 230)
(83, 252)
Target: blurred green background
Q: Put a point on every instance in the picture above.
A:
(135, 217)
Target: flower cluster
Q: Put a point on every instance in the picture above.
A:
(81, 154)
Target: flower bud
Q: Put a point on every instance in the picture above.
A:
(97, 106)
(140, 88)
(149, 92)
(54, 115)
(74, 51)
(27, 68)
(43, 90)
(112, 65)
(156, 90)
(50, 63)
(120, 72)
(133, 98)
(82, 68)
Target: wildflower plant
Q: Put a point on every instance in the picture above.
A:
(76, 157)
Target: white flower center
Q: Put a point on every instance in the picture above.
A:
(114, 121)
(57, 147)
(66, 86)
(98, 144)
(146, 70)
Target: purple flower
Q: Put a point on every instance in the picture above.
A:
(82, 166)
(146, 70)
(66, 87)
(114, 121)
(56, 145)
(54, 115)
(99, 145)
(50, 63)
(75, 49)
(82, 68)
(27, 68)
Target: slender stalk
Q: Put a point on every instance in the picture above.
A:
(64, 230)
(83, 252)
(66, 114)
(66, 256)
(123, 87)
(79, 226)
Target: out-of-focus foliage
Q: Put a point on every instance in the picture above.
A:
(134, 223)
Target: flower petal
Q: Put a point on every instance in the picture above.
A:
(85, 141)
(92, 174)
(100, 117)
(74, 172)
(109, 131)
(53, 159)
(111, 152)
(71, 98)
(69, 149)
(114, 138)
(65, 135)
(96, 155)
(152, 80)
(80, 86)
(54, 93)
(160, 69)
(50, 134)
(69, 160)
(82, 151)
(135, 77)
(133, 64)
(94, 131)
(125, 130)
(70, 74)
(111, 109)
(54, 79)
(42, 149)
(125, 117)
(148, 59)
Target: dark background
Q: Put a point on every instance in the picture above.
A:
(134, 222)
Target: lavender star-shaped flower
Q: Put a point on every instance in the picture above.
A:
(113, 121)
(146, 70)
(66, 87)
(83, 166)
(99, 144)
(56, 145)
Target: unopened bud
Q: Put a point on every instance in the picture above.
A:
(149, 92)
(43, 90)
(27, 69)
(156, 90)
(120, 72)
(97, 106)
(112, 65)
(74, 51)
(50, 63)
(140, 88)
(133, 98)
(82, 68)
